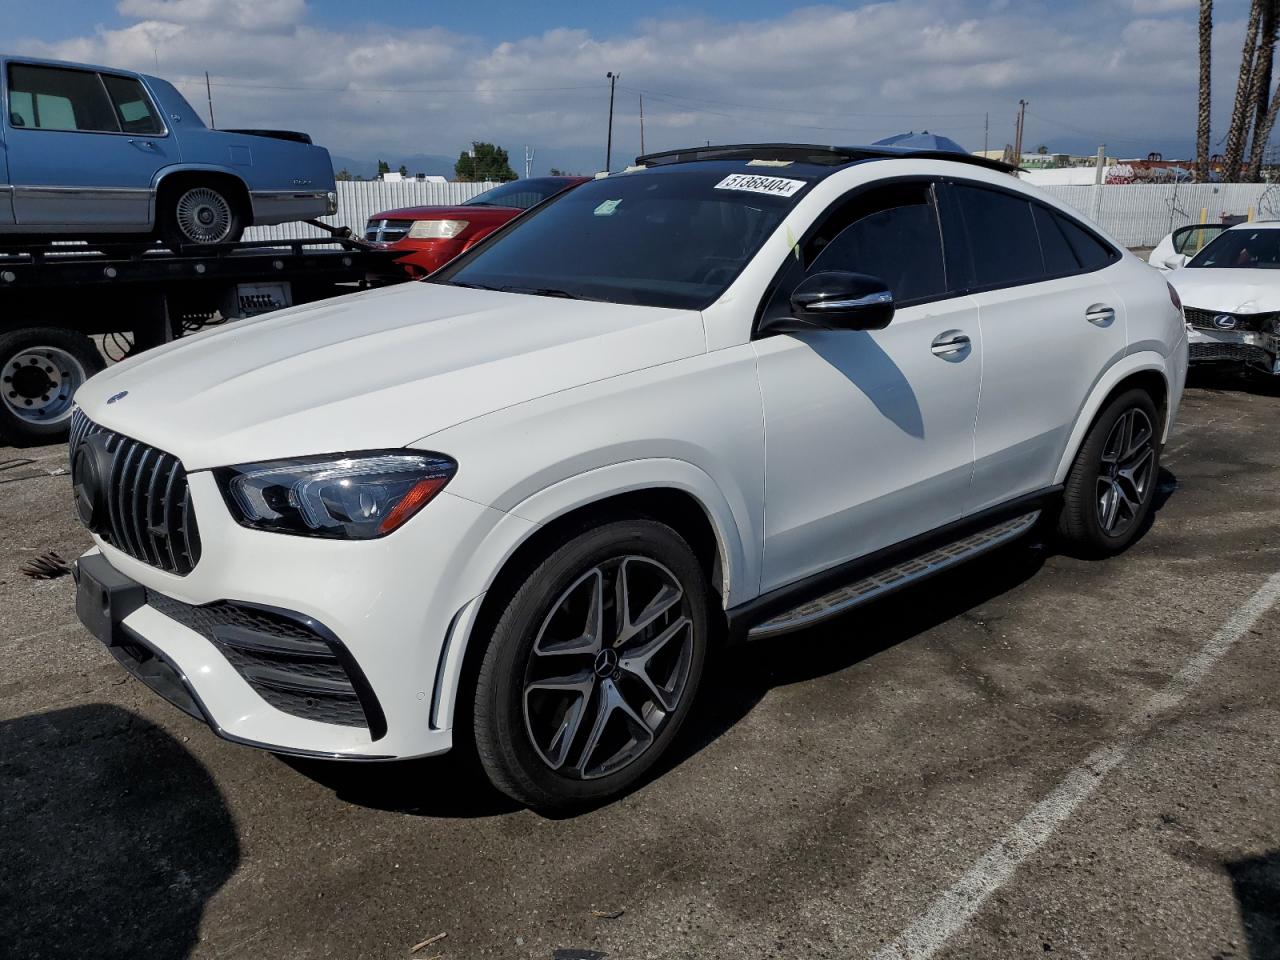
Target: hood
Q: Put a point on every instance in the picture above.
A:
(373, 370)
(1229, 289)
(446, 213)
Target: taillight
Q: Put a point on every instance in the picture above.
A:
(1173, 295)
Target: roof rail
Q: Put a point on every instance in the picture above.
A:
(813, 153)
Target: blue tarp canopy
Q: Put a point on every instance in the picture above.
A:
(921, 141)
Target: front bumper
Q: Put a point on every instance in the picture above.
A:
(1254, 349)
(396, 604)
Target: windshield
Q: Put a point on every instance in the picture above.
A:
(521, 194)
(1257, 249)
(675, 238)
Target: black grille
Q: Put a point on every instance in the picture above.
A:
(149, 512)
(387, 231)
(1252, 322)
(1236, 352)
(292, 663)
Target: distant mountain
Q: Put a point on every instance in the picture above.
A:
(430, 164)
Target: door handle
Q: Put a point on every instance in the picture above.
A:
(1100, 315)
(951, 345)
(145, 144)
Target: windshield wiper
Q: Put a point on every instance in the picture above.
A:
(543, 292)
(471, 286)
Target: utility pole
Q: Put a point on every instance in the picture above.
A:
(642, 124)
(208, 92)
(1101, 164)
(1017, 140)
(528, 162)
(608, 149)
(986, 129)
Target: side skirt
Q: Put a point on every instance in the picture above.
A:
(840, 589)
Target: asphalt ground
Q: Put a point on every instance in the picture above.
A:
(1032, 755)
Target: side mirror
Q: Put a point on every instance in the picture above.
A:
(837, 301)
(1176, 261)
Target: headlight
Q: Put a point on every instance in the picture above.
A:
(353, 497)
(436, 229)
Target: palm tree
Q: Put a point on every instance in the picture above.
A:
(1264, 115)
(1202, 120)
(1242, 109)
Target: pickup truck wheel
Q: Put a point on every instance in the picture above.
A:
(199, 215)
(40, 370)
(593, 666)
(1109, 490)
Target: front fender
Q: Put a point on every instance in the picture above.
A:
(740, 568)
(1140, 362)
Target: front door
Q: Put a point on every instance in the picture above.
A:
(1051, 323)
(868, 434)
(83, 148)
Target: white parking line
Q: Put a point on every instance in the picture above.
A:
(951, 911)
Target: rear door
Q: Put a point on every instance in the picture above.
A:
(83, 148)
(1051, 325)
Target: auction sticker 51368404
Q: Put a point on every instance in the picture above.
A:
(774, 186)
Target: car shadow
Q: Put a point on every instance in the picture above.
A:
(744, 674)
(452, 786)
(1226, 378)
(113, 837)
(1257, 888)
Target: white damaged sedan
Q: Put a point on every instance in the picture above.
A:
(1230, 292)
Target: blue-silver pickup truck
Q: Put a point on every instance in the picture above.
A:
(96, 152)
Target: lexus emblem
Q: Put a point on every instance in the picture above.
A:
(124, 393)
(1223, 321)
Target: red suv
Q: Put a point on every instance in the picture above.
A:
(432, 236)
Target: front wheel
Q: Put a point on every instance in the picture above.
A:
(199, 215)
(1112, 482)
(592, 668)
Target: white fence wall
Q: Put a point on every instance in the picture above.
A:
(1136, 214)
(360, 199)
(1140, 214)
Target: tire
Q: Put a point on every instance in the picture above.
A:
(1112, 482)
(40, 370)
(200, 214)
(536, 642)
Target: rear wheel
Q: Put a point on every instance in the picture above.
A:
(592, 668)
(200, 214)
(40, 370)
(1112, 483)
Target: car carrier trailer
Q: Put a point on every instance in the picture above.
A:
(55, 297)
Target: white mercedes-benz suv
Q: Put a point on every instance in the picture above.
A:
(720, 396)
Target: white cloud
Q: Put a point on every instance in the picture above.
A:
(241, 14)
(1163, 6)
(829, 74)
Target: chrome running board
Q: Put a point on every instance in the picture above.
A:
(901, 575)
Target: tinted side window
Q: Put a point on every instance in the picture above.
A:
(1092, 253)
(48, 98)
(1001, 237)
(1059, 258)
(132, 105)
(891, 233)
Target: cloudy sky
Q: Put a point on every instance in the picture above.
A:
(404, 77)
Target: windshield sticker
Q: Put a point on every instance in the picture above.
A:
(754, 183)
(607, 208)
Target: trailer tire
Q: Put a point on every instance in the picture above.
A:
(40, 370)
